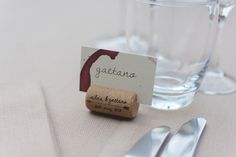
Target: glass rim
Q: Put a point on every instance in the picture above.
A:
(179, 2)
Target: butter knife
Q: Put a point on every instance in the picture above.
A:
(150, 144)
(184, 142)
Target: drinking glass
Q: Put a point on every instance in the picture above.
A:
(182, 35)
(216, 81)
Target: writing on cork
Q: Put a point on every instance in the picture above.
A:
(112, 101)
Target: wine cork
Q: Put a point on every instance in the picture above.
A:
(112, 101)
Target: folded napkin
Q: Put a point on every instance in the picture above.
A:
(25, 130)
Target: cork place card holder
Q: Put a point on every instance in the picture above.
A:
(118, 70)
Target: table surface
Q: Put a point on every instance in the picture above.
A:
(41, 40)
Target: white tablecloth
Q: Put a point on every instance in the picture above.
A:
(41, 40)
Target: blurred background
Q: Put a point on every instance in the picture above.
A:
(35, 34)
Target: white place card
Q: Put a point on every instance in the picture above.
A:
(118, 70)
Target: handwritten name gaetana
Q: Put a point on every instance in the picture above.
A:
(114, 71)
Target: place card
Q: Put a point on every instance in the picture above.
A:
(119, 70)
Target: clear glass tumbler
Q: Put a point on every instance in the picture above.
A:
(182, 35)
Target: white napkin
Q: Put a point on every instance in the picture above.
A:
(24, 127)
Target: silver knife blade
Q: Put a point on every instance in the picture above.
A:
(150, 144)
(184, 142)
